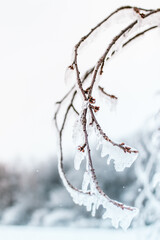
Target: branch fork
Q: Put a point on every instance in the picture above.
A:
(91, 195)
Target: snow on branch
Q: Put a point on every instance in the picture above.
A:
(91, 195)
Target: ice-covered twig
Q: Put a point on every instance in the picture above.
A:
(91, 195)
(108, 95)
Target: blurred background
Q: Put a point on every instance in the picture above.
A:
(36, 44)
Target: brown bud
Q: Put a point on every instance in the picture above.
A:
(92, 100)
(101, 72)
(136, 9)
(142, 15)
(114, 97)
(87, 90)
(122, 144)
(71, 67)
(96, 109)
(81, 149)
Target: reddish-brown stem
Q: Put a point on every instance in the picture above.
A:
(87, 96)
(102, 133)
(108, 95)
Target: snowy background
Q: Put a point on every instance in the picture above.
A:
(37, 39)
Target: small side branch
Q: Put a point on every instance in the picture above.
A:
(108, 95)
(102, 133)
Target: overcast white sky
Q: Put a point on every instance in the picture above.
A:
(37, 38)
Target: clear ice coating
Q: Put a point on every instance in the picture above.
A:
(79, 157)
(86, 181)
(78, 134)
(92, 199)
(89, 195)
(120, 158)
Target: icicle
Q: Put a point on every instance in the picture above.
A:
(79, 157)
(89, 205)
(78, 134)
(98, 145)
(121, 159)
(86, 181)
(98, 137)
(119, 216)
(94, 208)
(70, 76)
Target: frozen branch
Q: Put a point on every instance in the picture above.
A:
(91, 195)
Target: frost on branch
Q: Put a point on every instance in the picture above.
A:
(91, 195)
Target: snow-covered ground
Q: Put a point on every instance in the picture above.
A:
(40, 233)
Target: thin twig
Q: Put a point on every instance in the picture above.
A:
(87, 97)
(108, 95)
